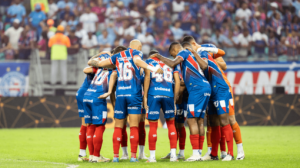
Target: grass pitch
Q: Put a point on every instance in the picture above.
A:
(59, 147)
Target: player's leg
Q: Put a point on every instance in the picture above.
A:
(134, 107)
(194, 138)
(168, 107)
(142, 136)
(181, 132)
(208, 136)
(124, 142)
(120, 115)
(99, 117)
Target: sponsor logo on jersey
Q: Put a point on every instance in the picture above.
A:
(87, 116)
(80, 111)
(126, 95)
(124, 87)
(206, 94)
(92, 90)
(216, 103)
(132, 108)
(118, 112)
(162, 89)
(95, 117)
(179, 112)
(169, 111)
(154, 112)
(155, 97)
(205, 81)
(88, 100)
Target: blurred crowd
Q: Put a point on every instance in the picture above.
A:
(248, 29)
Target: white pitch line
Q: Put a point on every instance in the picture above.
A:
(68, 165)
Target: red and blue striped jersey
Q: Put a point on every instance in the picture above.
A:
(191, 72)
(161, 84)
(129, 78)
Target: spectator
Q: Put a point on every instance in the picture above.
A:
(274, 7)
(72, 21)
(16, 11)
(52, 29)
(75, 45)
(193, 32)
(282, 48)
(243, 14)
(177, 31)
(220, 16)
(121, 14)
(256, 23)
(161, 19)
(276, 24)
(260, 42)
(177, 7)
(52, 10)
(162, 44)
(293, 25)
(228, 6)
(105, 41)
(296, 4)
(186, 18)
(254, 5)
(37, 19)
(43, 46)
(80, 32)
(67, 11)
(111, 12)
(229, 45)
(62, 4)
(59, 44)
(26, 43)
(204, 18)
(89, 20)
(274, 44)
(99, 10)
(163, 6)
(244, 40)
(65, 21)
(13, 34)
(79, 7)
(292, 43)
(218, 38)
(4, 4)
(89, 42)
(126, 32)
(147, 40)
(151, 9)
(135, 14)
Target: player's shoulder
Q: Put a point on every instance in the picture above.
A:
(104, 56)
(208, 45)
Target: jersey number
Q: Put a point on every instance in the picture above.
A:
(125, 72)
(167, 76)
(101, 75)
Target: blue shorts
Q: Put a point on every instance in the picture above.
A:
(95, 110)
(79, 98)
(157, 102)
(181, 112)
(128, 104)
(219, 103)
(197, 102)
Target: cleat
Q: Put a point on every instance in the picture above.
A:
(82, 158)
(100, 159)
(240, 155)
(173, 159)
(151, 160)
(91, 158)
(228, 158)
(179, 157)
(209, 157)
(124, 157)
(207, 153)
(115, 159)
(223, 154)
(143, 156)
(193, 158)
(134, 160)
(166, 157)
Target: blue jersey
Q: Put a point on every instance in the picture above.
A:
(99, 85)
(213, 74)
(129, 78)
(161, 84)
(191, 72)
(87, 81)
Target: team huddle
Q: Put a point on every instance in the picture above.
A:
(188, 87)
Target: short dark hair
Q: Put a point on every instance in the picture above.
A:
(186, 44)
(172, 44)
(119, 49)
(112, 51)
(153, 52)
(188, 39)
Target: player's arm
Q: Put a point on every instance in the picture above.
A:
(146, 87)
(221, 63)
(112, 81)
(202, 63)
(97, 55)
(88, 70)
(113, 97)
(101, 63)
(177, 87)
(139, 62)
(216, 52)
(167, 61)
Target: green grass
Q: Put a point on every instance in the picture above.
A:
(58, 147)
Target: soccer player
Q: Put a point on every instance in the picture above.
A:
(218, 106)
(129, 93)
(199, 92)
(158, 93)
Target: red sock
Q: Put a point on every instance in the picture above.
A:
(142, 133)
(89, 138)
(195, 141)
(227, 131)
(134, 140)
(98, 139)
(201, 141)
(215, 139)
(152, 137)
(124, 137)
(117, 138)
(182, 137)
(82, 137)
(222, 142)
(172, 134)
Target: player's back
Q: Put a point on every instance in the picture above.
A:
(191, 72)
(129, 78)
(100, 82)
(161, 84)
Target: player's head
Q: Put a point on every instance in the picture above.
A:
(118, 49)
(175, 48)
(153, 52)
(135, 44)
(186, 45)
(191, 40)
